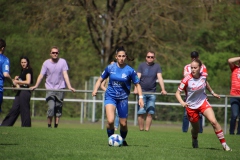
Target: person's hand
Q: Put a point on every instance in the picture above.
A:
(94, 93)
(33, 87)
(141, 103)
(16, 77)
(14, 83)
(164, 92)
(184, 104)
(216, 95)
(72, 89)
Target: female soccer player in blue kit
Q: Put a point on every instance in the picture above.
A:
(116, 96)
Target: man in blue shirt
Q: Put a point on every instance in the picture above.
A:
(4, 67)
(149, 72)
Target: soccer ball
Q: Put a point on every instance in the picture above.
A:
(115, 140)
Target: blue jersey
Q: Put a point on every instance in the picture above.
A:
(4, 66)
(120, 79)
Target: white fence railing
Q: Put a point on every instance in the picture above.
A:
(94, 101)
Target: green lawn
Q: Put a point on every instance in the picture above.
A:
(73, 140)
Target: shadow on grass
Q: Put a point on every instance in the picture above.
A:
(5, 144)
(216, 149)
(136, 146)
(213, 149)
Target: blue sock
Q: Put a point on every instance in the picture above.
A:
(110, 132)
(123, 134)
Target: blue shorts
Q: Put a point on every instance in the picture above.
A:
(149, 104)
(120, 104)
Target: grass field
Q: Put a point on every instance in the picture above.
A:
(89, 142)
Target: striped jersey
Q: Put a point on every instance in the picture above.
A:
(194, 90)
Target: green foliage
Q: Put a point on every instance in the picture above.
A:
(218, 70)
(220, 33)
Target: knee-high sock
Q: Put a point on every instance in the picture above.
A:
(220, 136)
(123, 134)
(110, 132)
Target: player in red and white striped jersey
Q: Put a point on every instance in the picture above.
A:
(194, 86)
(186, 72)
(234, 64)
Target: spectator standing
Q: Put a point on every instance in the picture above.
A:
(149, 72)
(234, 64)
(21, 103)
(55, 70)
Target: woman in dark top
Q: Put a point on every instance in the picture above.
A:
(21, 103)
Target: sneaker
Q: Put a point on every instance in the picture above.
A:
(226, 148)
(195, 143)
(124, 143)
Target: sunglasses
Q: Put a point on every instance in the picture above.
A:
(150, 57)
(121, 56)
(54, 52)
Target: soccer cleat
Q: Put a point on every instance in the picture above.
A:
(124, 143)
(226, 148)
(195, 143)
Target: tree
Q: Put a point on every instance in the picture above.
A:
(140, 25)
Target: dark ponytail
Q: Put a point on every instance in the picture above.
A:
(122, 49)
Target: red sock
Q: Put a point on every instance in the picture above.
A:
(220, 136)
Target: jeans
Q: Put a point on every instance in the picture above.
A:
(116, 121)
(185, 124)
(235, 113)
(149, 104)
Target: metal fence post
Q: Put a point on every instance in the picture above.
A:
(81, 114)
(33, 104)
(225, 116)
(93, 109)
(135, 111)
(203, 121)
(103, 111)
